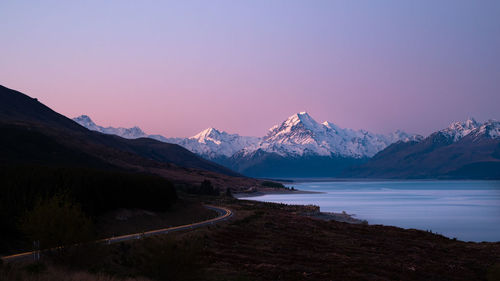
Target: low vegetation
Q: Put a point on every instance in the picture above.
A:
(27, 191)
(205, 188)
(57, 222)
(266, 241)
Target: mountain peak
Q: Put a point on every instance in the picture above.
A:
(331, 126)
(490, 128)
(137, 130)
(84, 118)
(207, 133)
(212, 143)
(471, 122)
(86, 122)
(458, 130)
(129, 133)
(301, 118)
(302, 114)
(301, 135)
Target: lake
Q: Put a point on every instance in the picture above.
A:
(466, 210)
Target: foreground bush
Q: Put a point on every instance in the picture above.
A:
(95, 191)
(57, 222)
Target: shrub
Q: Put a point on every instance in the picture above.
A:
(205, 188)
(57, 222)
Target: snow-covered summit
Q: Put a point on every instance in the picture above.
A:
(129, 133)
(458, 130)
(301, 135)
(212, 143)
(489, 129)
(210, 134)
(86, 122)
(399, 135)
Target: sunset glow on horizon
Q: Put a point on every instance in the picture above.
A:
(176, 68)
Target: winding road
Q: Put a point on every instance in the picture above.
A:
(223, 214)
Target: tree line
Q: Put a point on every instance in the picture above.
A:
(22, 187)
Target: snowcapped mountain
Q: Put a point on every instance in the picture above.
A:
(212, 143)
(86, 122)
(301, 135)
(302, 147)
(128, 133)
(490, 129)
(465, 150)
(458, 130)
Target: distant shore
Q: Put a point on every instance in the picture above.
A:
(271, 191)
(326, 216)
(340, 217)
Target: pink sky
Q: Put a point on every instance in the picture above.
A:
(176, 68)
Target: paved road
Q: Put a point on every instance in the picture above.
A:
(223, 214)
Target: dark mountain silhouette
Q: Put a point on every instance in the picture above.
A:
(475, 156)
(47, 136)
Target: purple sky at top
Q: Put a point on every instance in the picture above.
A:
(175, 68)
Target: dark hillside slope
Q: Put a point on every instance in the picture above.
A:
(21, 110)
(19, 145)
(473, 157)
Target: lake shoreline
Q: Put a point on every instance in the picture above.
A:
(325, 216)
(273, 192)
(462, 209)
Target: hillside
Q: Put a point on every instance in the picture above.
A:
(463, 151)
(20, 112)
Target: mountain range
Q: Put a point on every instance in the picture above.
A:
(302, 147)
(299, 135)
(298, 145)
(464, 150)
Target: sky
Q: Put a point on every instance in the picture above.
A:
(177, 67)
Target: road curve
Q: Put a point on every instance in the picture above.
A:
(223, 214)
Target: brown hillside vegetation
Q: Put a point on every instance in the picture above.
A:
(265, 241)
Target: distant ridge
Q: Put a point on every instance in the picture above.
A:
(128, 133)
(464, 150)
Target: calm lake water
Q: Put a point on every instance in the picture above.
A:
(467, 210)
